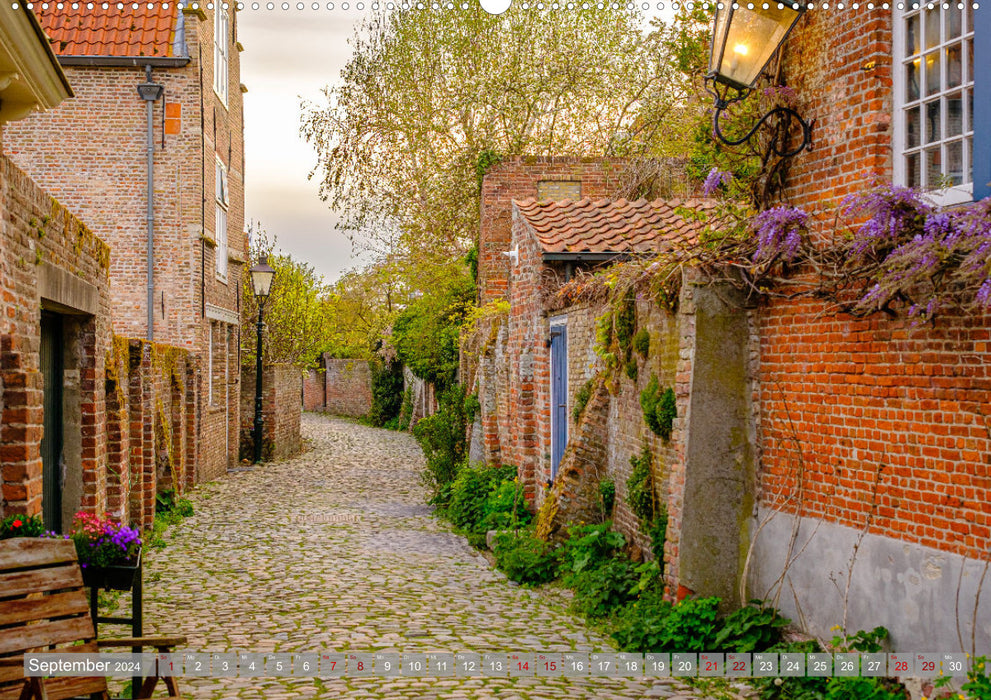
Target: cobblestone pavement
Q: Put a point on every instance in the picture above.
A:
(335, 551)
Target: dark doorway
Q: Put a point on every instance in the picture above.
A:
(52, 367)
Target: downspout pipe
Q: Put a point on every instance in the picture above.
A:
(150, 92)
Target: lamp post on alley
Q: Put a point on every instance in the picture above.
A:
(262, 276)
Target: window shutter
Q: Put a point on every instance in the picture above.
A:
(982, 104)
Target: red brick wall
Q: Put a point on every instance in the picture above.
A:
(839, 63)
(90, 154)
(282, 411)
(517, 178)
(119, 465)
(36, 230)
(315, 389)
(865, 395)
(348, 387)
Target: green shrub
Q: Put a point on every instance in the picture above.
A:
(658, 532)
(524, 558)
(607, 496)
(589, 547)
(659, 408)
(426, 332)
(442, 438)
(167, 503)
(406, 410)
(652, 624)
(631, 370)
(641, 342)
(754, 627)
(21, 526)
(602, 589)
(486, 498)
(387, 393)
(468, 493)
(504, 507)
(626, 323)
(978, 685)
(582, 397)
(640, 626)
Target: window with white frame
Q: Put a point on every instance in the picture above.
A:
(934, 99)
(221, 32)
(220, 232)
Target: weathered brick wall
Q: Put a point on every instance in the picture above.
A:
(518, 178)
(90, 154)
(282, 411)
(130, 403)
(35, 232)
(348, 387)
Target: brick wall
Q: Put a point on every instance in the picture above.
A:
(518, 178)
(282, 410)
(839, 63)
(126, 404)
(872, 432)
(315, 389)
(348, 387)
(90, 154)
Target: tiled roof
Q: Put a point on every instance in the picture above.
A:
(611, 226)
(111, 32)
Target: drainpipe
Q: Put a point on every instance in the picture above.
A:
(150, 92)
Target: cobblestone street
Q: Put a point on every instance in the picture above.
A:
(336, 551)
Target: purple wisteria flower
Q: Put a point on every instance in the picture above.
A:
(892, 211)
(779, 233)
(714, 179)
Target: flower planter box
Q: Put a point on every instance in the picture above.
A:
(114, 578)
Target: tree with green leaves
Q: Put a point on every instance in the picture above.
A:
(297, 318)
(429, 95)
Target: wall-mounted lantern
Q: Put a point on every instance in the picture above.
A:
(744, 39)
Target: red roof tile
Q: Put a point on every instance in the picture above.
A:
(111, 32)
(611, 226)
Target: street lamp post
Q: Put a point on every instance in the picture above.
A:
(262, 276)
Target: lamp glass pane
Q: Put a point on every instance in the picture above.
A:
(719, 37)
(262, 282)
(751, 38)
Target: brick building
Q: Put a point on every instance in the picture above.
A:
(88, 421)
(838, 465)
(893, 417)
(93, 154)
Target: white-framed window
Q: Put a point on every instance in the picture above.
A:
(221, 51)
(220, 232)
(933, 85)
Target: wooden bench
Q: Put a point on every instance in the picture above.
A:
(44, 608)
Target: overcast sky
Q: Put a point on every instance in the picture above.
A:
(288, 55)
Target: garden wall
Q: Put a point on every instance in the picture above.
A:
(126, 406)
(282, 410)
(340, 387)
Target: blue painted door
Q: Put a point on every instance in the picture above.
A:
(559, 395)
